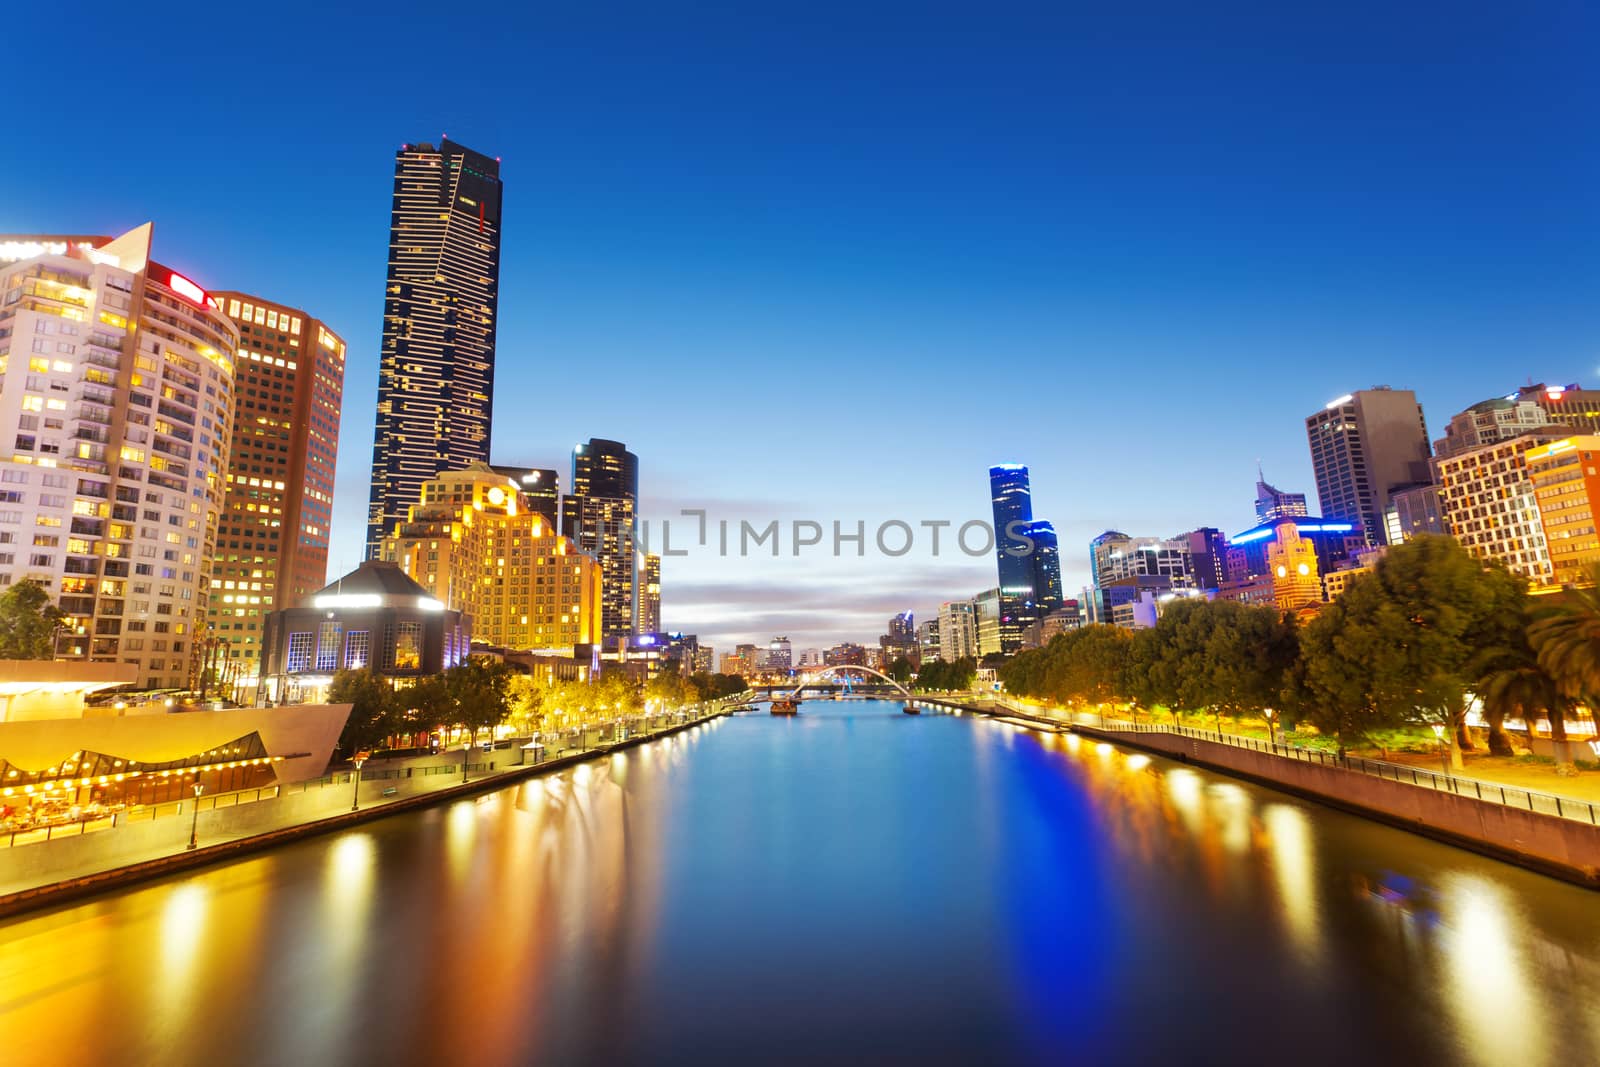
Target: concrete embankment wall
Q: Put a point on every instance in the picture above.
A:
(1565, 848)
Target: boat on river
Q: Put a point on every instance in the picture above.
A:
(785, 706)
(911, 709)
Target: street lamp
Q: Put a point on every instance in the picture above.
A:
(466, 754)
(1444, 759)
(1272, 725)
(194, 823)
(355, 797)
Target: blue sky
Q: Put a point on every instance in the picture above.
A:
(831, 262)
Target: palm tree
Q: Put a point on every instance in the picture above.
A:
(1514, 684)
(1567, 643)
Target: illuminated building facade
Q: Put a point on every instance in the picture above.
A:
(1273, 503)
(472, 545)
(272, 537)
(958, 630)
(599, 516)
(928, 644)
(1364, 446)
(1292, 563)
(436, 364)
(116, 415)
(650, 595)
(374, 618)
(1566, 485)
(1011, 497)
(1496, 419)
(988, 619)
(1490, 506)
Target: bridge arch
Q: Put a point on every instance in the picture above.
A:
(841, 667)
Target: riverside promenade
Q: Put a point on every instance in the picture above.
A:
(47, 872)
(1556, 835)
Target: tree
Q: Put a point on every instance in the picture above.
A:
(374, 712)
(1512, 682)
(1348, 661)
(526, 698)
(947, 675)
(478, 692)
(900, 670)
(1441, 608)
(1566, 644)
(668, 689)
(28, 622)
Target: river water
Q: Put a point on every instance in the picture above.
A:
(852, 885)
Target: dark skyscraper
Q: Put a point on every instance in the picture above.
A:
(541, 490)
(1013, 518)
(1046, 559)
(436, 366)
(599, 514)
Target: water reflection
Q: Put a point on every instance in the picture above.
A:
(856, 882)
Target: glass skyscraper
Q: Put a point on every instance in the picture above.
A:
(599, 515)
(436, 366)
(1013, 521)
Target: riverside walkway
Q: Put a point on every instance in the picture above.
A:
(149, 845)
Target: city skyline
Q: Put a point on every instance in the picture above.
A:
(1164, 254)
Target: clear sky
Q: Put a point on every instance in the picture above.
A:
(829, 263)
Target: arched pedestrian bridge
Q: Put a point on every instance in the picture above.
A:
(843, 668)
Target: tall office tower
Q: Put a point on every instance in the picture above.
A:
(958, 630)
(650, 595)
(1012, 500)
(116, 415)
(272, 538)
(541, 489)
(1496, 419)
(473, 546)
(436, 365)
(1364, 446)
(1046, 559)
(901, 640)
(779, 655)
(599, 515)
(989, 619)
(1273, 503)
(1566, 486)
(1490, 505)
(1208, 556)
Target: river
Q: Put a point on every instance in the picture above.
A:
(851, 885)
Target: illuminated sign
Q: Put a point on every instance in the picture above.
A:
(186, 289)
(1339, 402)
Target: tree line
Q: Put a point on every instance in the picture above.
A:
(481, 694)
(1412, 642)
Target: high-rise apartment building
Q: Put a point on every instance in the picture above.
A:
(1208, 556)
(779, 655)
(436, 364)
(958, 630)
(1046, 559)
(599, 515)
(650, 595)
(1117, 557)
(1499, 418)
(471, 543)
(272, 537)
(928, 646)
(116, 415)
(1364, 446)
(989, 618)
(1490, 506)
(1566, 485)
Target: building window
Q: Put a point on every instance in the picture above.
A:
(357, 649)
(299, 658)
(408, 646)
(328, 645)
